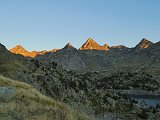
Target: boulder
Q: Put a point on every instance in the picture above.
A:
(6, 94)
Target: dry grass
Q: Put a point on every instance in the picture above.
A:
(29, 104)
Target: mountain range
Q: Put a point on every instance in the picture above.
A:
(92, 79)
(93, 57)
(90, 44)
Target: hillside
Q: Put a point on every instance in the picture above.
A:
(29, 104)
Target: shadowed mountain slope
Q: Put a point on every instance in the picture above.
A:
(144, 43)
(116, 59)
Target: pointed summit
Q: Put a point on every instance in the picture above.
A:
(90, 40)
(19, 50)
(145, 40)
(69, 46)
(143, 44)
(90, 44)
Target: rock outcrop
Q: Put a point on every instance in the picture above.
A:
(6, 94)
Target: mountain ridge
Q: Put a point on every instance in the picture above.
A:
(19, 49)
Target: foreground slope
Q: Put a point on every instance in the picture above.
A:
(29, 104)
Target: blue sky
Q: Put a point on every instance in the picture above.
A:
(48, 24)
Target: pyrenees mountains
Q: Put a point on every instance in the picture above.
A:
(93, 57)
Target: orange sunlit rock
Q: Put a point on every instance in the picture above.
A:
(22, 51)
(90, 44)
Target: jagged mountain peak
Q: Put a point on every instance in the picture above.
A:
(90, 40)
(90, 44)
(145, 40)
(20, 46)
(18, 49)
(69, 47)
(144, 43)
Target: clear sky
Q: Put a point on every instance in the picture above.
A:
(48, 24)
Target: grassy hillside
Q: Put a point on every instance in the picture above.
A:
(29, 104)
